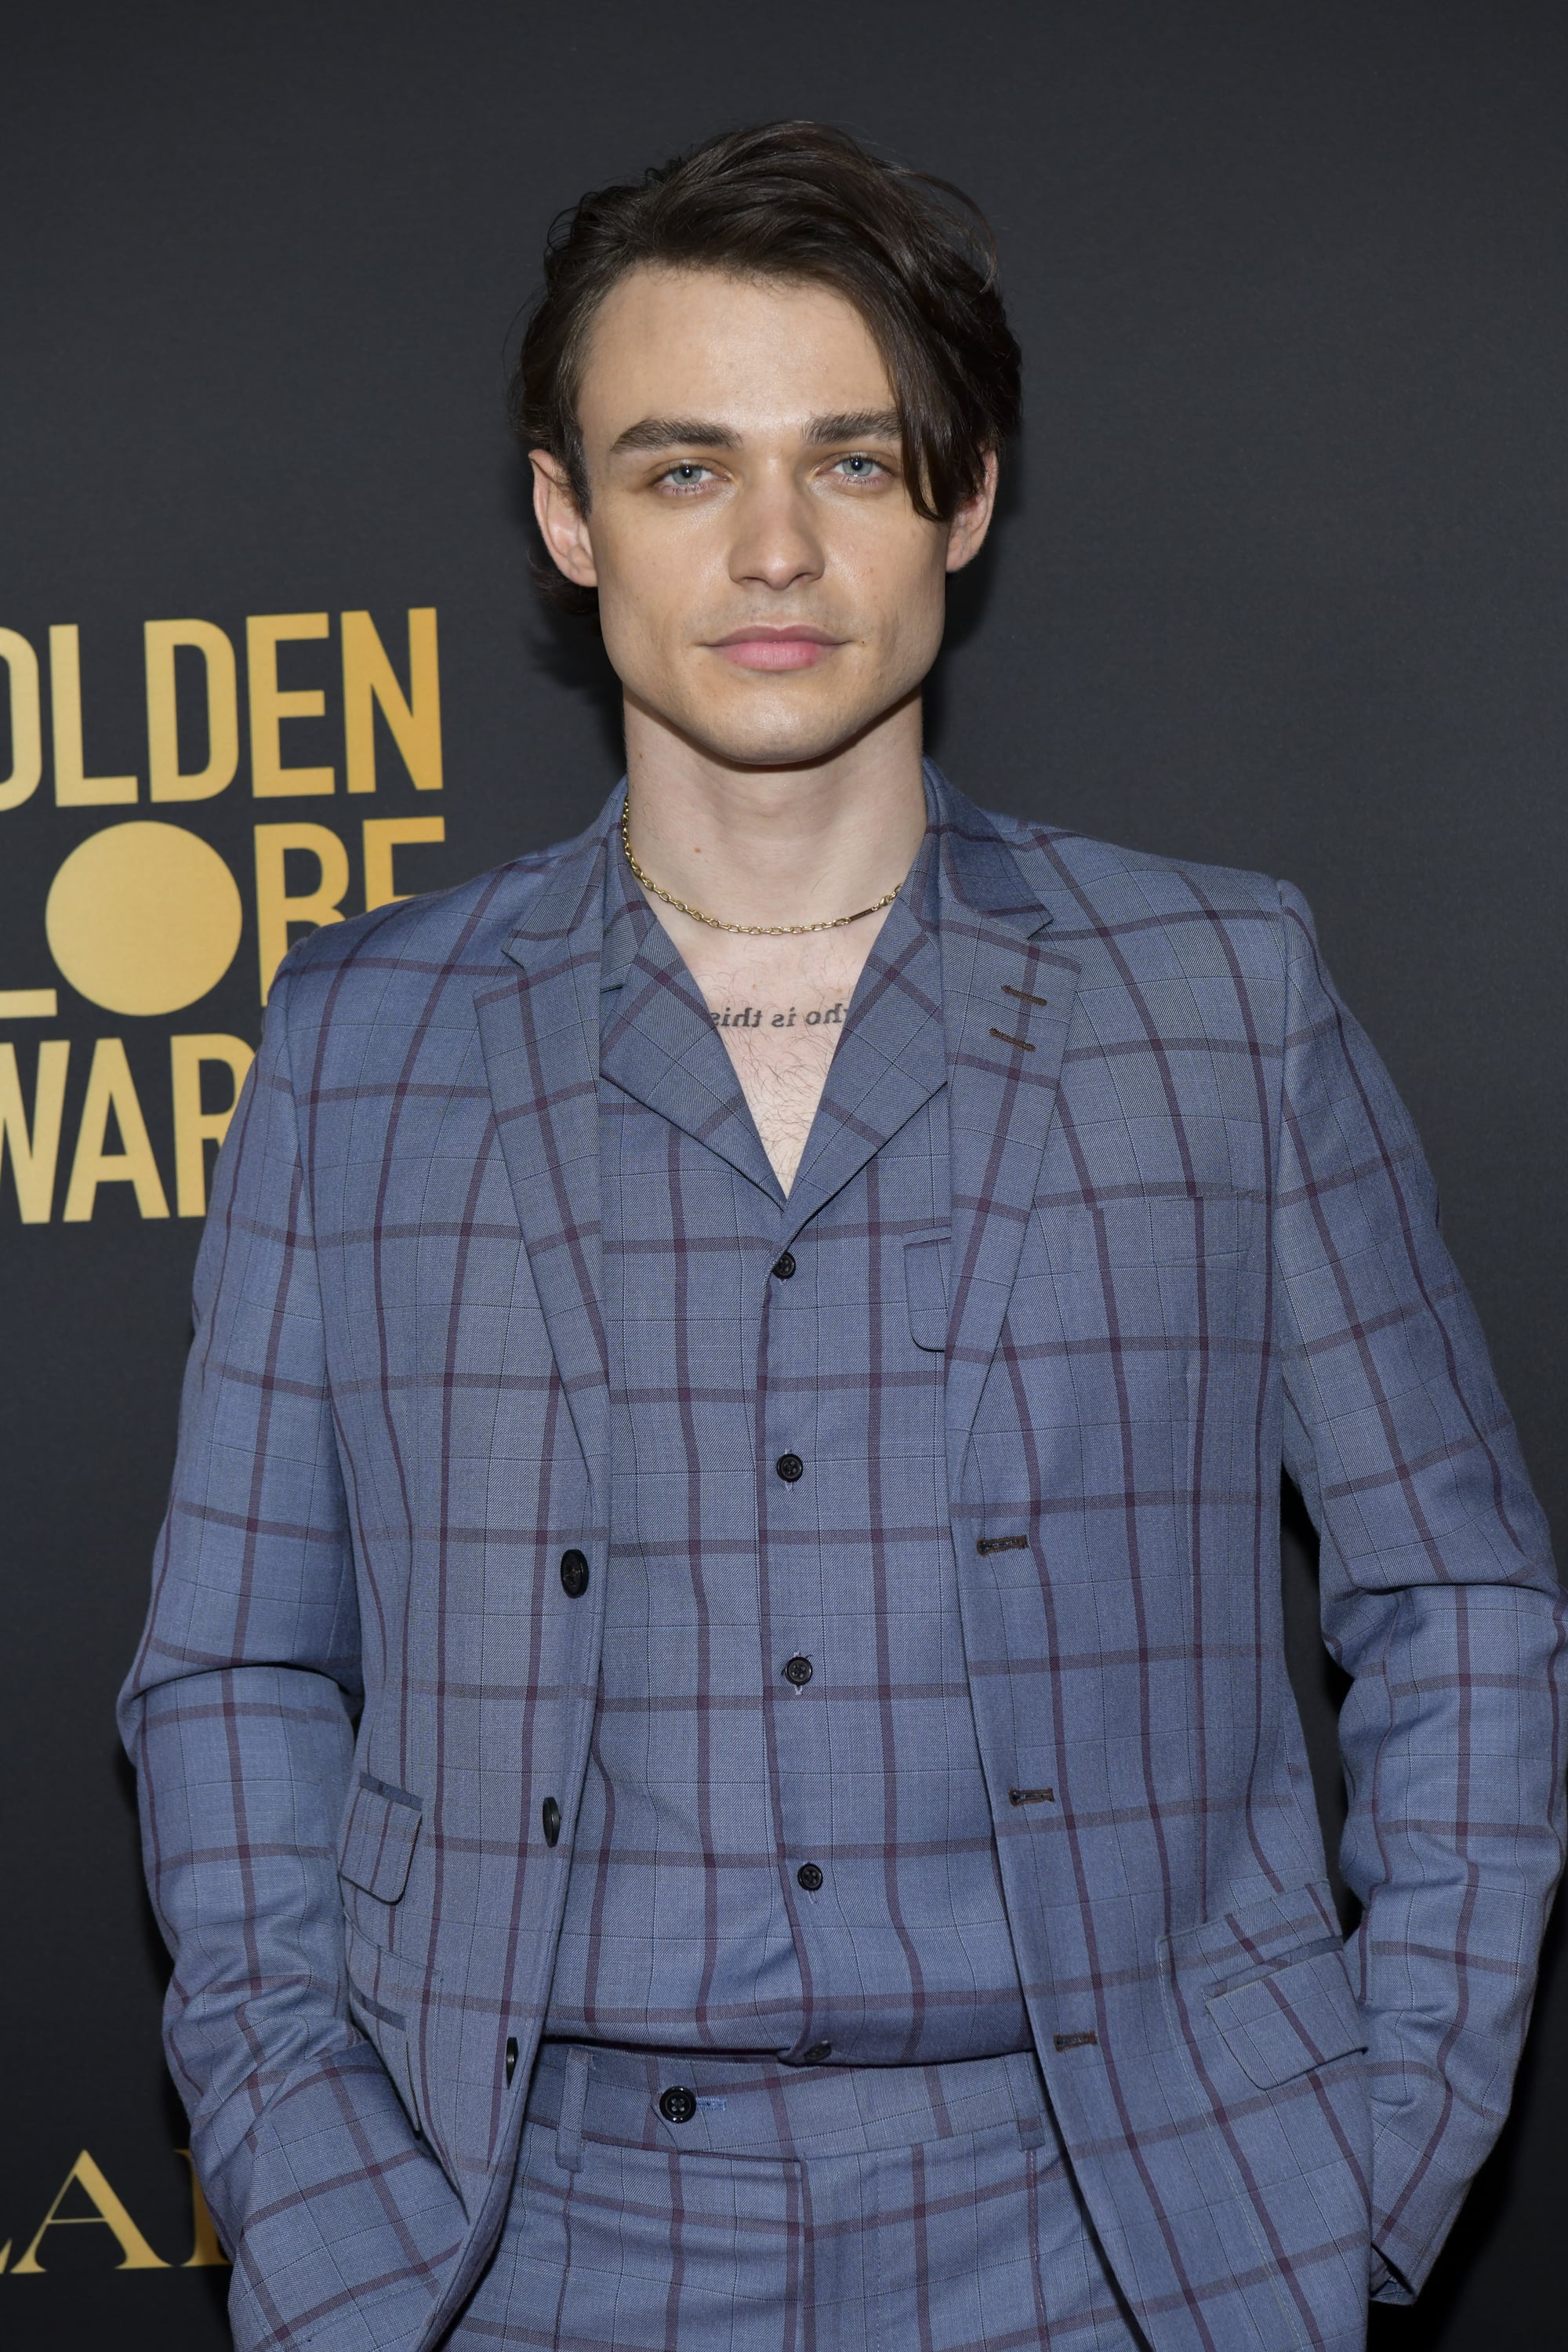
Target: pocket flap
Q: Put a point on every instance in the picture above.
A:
(925, 1282)
(1289, 2020)
(378, 1839)
(1251, 1936)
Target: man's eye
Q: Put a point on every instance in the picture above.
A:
(686, 475)
(859, 468)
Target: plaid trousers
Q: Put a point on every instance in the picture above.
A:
(1192, 1242)
(877, 2209)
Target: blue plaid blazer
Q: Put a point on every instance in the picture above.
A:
(1193, 1240)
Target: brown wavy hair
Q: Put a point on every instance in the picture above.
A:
(797, 201)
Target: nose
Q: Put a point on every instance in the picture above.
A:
(776, 544)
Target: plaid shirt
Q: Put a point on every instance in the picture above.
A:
(713, 1777)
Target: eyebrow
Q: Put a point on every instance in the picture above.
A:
(702, 433)
(859, 424)
(676, 431)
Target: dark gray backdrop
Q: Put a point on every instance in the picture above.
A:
(1282, 583)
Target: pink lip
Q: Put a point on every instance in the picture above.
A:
(762, 649)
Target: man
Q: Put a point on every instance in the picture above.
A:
(715, 1745)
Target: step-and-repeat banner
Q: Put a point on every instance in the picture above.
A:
(1278, 583)
(144, 915)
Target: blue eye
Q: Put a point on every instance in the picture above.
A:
(860, 467)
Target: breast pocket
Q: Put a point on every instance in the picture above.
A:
(1122, 1228)
(926, 1288)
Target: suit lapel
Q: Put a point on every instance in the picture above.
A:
(1004, 1055)
(540, 1038)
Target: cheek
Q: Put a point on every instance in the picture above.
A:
(898, 575)
(909, 597)
(651, 584)
(640, 604)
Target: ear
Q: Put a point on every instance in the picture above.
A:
(966, 531)
(562, 524)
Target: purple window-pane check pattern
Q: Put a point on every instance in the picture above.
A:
(928, 2208)
(711, 1777)
(1192, 1238)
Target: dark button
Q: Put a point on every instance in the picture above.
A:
(573, 1574)
(790, 1467)
(816, 2054)
(678, 2106)
(510, 2057)
(784, 1266)
(809, 1876)
(798, 1671)
(550, 1814)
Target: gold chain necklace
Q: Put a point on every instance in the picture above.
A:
(751, 930)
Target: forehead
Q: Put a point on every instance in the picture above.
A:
(756, 353)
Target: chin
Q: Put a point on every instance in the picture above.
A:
(776, 751)
(776, 738)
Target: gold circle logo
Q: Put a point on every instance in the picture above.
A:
(143, 917)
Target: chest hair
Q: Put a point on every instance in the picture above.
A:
(779, 1007)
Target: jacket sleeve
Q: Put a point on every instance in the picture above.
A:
(1441, 1601)
(239, 1715)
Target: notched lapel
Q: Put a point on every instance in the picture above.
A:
(541, 1039)
(1008, 1000)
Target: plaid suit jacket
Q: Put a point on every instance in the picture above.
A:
(1193, 1240)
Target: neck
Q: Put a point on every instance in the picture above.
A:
(775, 846)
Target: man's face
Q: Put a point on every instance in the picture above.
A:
(765, 586)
